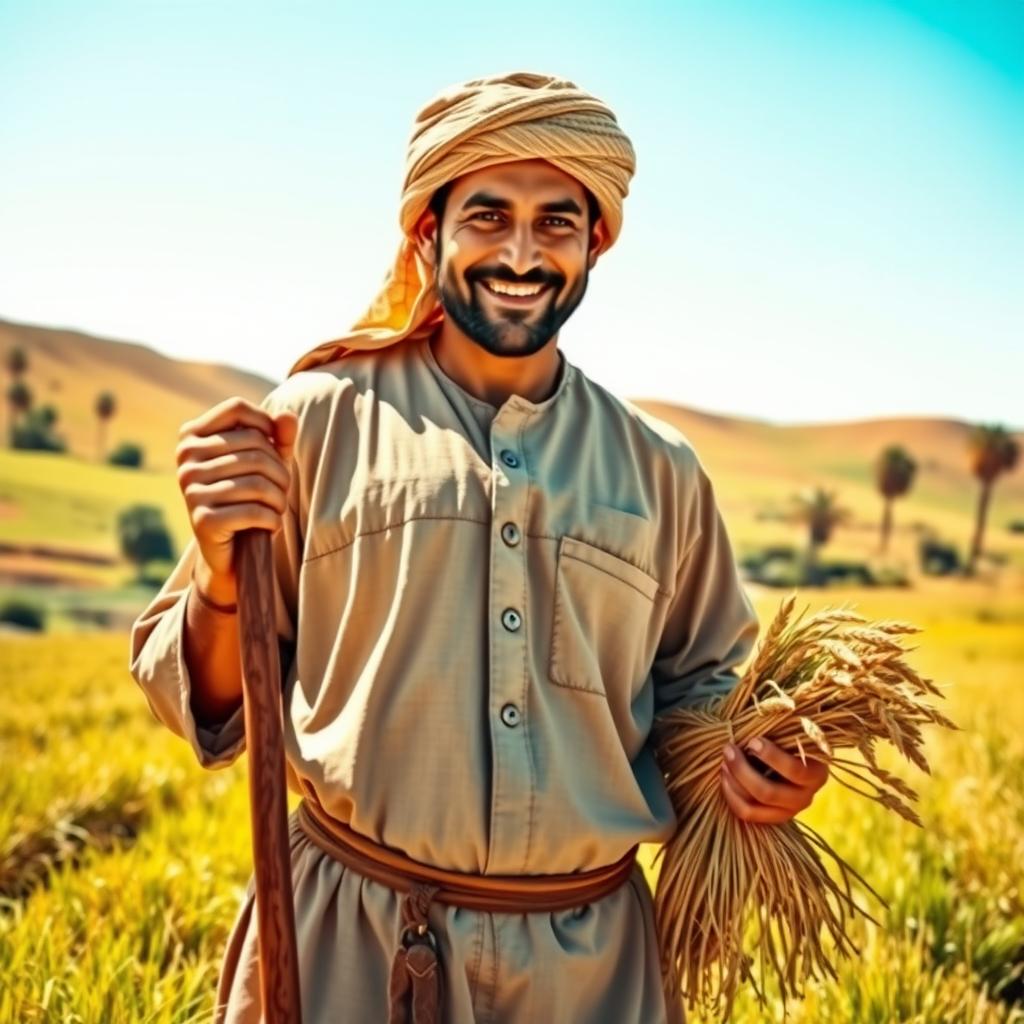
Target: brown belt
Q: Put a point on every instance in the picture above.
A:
(414, 990)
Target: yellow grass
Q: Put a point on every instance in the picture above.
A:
(133, 929)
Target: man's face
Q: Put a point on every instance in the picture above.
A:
(521, 224)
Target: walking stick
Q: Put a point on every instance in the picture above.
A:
(268, 803)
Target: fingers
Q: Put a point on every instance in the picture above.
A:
(209, 446)
(744, 808)
(235, 473)
(757, 789)
(236, 491)
(232, 412)
(790, 767)
(223, 522)
(248, 462)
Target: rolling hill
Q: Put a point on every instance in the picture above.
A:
(154, 394)
(56, 508)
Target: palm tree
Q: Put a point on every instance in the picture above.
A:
(19, 398)
(16, 363)
(894, 473)
(993, 451)
(817, 509)
(106, 406)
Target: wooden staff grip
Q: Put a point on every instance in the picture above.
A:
(268, 801)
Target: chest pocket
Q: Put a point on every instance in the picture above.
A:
(601, 621)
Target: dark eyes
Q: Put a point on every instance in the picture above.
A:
(493, 213)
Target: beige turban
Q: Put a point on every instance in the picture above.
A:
(486, 121)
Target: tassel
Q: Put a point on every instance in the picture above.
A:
(398, 986)
(415, 970)
(421, 965)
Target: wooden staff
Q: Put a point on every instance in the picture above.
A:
(268, 801)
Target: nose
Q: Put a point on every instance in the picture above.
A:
(521, 253)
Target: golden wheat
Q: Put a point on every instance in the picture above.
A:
(821, 684)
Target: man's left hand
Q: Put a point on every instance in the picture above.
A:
(754, 798)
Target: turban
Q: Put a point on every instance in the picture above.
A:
(482, 122)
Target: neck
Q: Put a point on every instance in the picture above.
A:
(493, 378)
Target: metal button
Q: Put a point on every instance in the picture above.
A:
(511, 619)
(510, 534)
(510, 715)
(509, 458)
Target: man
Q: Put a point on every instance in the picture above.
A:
(490, 574)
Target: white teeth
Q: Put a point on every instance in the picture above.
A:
(507, 289)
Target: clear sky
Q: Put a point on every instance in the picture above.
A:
(826, 223)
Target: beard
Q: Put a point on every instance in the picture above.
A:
(507, 331)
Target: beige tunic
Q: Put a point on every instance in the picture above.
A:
(480, 611)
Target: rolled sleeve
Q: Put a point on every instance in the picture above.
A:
(158, 665)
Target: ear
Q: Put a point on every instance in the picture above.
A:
(425, 237)
(599, 239)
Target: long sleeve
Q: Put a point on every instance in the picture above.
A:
(711, 626)
(157, 661)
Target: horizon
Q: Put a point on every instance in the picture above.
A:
(699, 410)
(827, 196)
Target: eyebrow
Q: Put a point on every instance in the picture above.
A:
(493, 202)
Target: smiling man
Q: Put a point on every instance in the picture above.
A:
(491, 575)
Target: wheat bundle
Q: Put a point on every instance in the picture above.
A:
(828, 682)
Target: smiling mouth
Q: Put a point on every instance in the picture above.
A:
(514, 300)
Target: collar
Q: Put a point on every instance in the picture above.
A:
(517, 402)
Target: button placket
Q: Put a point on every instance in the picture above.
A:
(512, 778)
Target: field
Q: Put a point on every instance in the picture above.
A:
(122, 862)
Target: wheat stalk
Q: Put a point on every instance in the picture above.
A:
(815, 686)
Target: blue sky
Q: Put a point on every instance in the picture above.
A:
(826, 223)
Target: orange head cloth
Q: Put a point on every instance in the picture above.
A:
(486, 121)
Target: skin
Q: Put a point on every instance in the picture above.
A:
(754, 798)
(494, 350)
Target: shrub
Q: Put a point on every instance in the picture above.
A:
(20, 612)
(143, 535)
(127, 453)
(35, 432)
(938, 558)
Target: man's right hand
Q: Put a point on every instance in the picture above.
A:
(233, 473)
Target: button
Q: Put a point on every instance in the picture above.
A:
(509, 458)
(511, 619)
(510, 534)
(510, 715)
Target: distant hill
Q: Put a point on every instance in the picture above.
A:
(155, 394)
(838, 453)
(756, 466)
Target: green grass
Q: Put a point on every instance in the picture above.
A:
(68, 502)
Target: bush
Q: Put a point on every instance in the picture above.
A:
(127, 453)
(143, 535)
(938, 558)
(780, 572)
(846, 572)
(890, 577)
(35, 432)
(783, 565)
(755, 561)
(1015, 526)
(23, 613)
